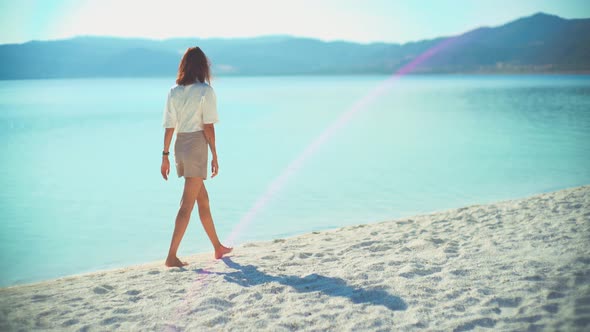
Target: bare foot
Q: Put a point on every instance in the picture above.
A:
(219, 252)
(175, 262)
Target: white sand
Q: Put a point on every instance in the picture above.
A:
(515, 265)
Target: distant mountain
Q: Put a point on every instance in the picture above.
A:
(538, 43)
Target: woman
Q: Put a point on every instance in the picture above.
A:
(191, 109)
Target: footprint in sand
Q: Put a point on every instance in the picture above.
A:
(70, 322)
(363, 244)
(437, 241)
(505, 302)
(528, 319)
(112, 320)
(395, 263)
(404, 222)
(551, 308)
(304, 255)
(217, 303)
(40, 298)
(555, 295)
(452, 249)
(220, 319)
(471, 301)
(103, 289)
(482, 322)
(534, 278)
(84, 328)
(121, 311)
(460, 272)
(75, 299)
(419, 272)
(46, 313)
(454, 295)
(277, 289)
(379, 248)
(329, 259)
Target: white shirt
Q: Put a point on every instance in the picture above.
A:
(189, 107)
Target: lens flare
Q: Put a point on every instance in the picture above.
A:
(279, 182)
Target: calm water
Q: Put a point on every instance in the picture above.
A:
(81, 188)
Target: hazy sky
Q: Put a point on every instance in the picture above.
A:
(355, 20)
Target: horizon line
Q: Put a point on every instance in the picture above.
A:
(279, 35)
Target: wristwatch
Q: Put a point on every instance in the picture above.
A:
(164, 153)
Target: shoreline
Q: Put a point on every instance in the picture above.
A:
(513, 264)
(377, 74)
(202, 256)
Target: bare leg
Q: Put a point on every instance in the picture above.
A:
(192, 186)
(207, 221)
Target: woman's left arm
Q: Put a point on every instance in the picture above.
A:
(165, 169)
(209, 131)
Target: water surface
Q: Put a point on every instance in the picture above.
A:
(81, 189)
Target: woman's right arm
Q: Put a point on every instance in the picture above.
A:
(209, 131)
(210, 117)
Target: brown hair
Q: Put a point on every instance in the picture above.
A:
(193, 66)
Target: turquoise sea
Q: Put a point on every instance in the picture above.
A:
(81, 189)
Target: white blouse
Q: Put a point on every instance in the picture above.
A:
(189, 107)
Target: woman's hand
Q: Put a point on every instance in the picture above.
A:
(165, 169)
(214, 167)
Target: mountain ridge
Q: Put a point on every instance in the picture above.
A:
(540, 43)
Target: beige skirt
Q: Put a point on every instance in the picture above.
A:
(190, 154)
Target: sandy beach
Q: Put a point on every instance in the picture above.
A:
(518, 265)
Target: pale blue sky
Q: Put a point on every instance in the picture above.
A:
(354, 20)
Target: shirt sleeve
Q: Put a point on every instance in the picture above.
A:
(210, 107)
(169, 120)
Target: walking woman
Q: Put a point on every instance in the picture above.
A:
(191, 110)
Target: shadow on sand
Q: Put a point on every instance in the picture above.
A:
(248, 275)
